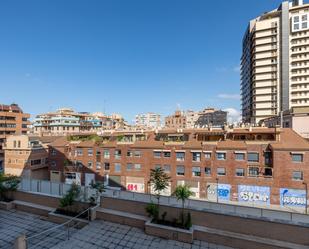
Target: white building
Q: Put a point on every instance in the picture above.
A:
(148, 120)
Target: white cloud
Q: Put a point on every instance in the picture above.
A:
(233, 115)
(229, 96)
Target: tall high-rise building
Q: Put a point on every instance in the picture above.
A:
(275, 63)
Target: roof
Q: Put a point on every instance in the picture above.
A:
(60, 142)
(290, 140)
(44, 139)
(89, 143)
(12, 107)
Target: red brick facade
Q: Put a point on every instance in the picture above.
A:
(238, 146)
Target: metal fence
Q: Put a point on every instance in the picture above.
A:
(225, 208)
(53, 188)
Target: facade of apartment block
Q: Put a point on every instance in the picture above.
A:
(274, 63)
(255, 165)
(27, 156)
(12, 121)
(209, 117)
(67, 121)
(148, 120)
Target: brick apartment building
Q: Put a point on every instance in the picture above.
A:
(12, 121)
(27, 156)
(258, 165)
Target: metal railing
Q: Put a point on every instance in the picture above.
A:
(65, 228)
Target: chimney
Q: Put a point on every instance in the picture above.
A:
(297, 2)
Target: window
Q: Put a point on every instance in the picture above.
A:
(253, 157)
(253, 171)
(180, 170)
(180, 156)
(90, 152)
(117, 154)
(167, 168)
(106, 166)
(296, 26)
(117, 167)
(79, 164)
(297, 157)
(221, 155)
(98, 153)
(167, 154)
(240, 172)
(196, 156)
(137, 166)
(36, 162)
(196, 171)
(106, 154)
(98, 165)
(53, 152)
(90, 165)
(129, 153)
(157, 154)
(53, 164)
(137, 153)
(239, 156)
(207, 171)
(79, 152)
(18, 143)
(297, 175)
(207, 155)
(129, 166)
(268, 172)
(221, 171)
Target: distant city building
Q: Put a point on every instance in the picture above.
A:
(67, 121)
(176, 121)
(274, 63)
(12, 121)
(211, 117)
(299, 122)
(148, 120)
(201, 119)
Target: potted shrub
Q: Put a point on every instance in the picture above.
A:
(8, 184)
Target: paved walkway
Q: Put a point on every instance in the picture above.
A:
(98, 234)
(14, 223)
(102, 234)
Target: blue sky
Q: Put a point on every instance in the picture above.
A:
(128, 56)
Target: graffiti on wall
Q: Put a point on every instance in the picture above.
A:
(254, 194)
(292, 197)
(223, 191)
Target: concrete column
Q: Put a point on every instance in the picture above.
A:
(20, 242)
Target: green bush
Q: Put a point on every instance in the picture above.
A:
(188, 223)
(153, 211)
(8, 183)
(69, 198)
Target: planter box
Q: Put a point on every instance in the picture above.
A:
(60, 219)
(7, 205)
(168, 232)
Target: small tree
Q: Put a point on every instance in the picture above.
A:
(69, 198)
(182, 192)
(99, 188)
(8, 183)
(159, 180)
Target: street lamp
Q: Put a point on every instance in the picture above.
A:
(306, 208)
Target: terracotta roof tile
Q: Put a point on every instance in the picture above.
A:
(290, 140)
